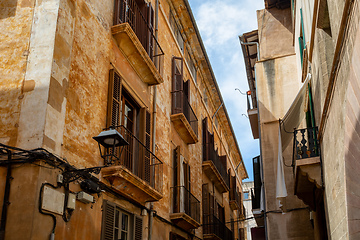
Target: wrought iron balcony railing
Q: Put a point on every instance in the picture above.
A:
(213, 225)
(138, 158)
(306, 144)
(181, 104)
(141, 20)
(185, 202)
(235, 195)
(212, 155)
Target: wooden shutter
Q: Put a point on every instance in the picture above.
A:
(205, 206)
(147, 144)
(114, 99)
(187, 181)
(242, 234)
(211, 204)
(186, 99)
(232, 187)
(221, 212)
(177, 85)
(176, 192)
(108, 221)
(223, 161)
(206, 140)
(138, 228)
(150, 30)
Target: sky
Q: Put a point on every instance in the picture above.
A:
(220, 22)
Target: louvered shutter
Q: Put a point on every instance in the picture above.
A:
(177, 85)
(176, 189)
(206, 140)
(147, 144)
(186, 191)
(114, 99)
(211, 204)
(186, 99)
(150, 30)
(138, 228)
(108, 221)
(221, 213)
(223, 161)
(206, 207)
(232, 187)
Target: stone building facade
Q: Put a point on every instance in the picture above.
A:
(71, 70)
(313, 97)
(249, 216)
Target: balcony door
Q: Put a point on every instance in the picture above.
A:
(182, 185)
(135, 127)
(130, 119)
(140, 16)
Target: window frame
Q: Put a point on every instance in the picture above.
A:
(109, 215)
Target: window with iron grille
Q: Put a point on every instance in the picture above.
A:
(120, 224)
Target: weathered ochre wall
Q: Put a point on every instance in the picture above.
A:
(16, 20)
(64, 67)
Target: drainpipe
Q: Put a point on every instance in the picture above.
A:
(157, 63)
(6, 198)
(261, 161)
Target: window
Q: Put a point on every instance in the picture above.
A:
(176, 30)
(140, 16)
(246, 195)
(134, 123)
(119, 224)
(205, 96)
(182, 183)
(302, 41)
(181, 94)
(191, 64)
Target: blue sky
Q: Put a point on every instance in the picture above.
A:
(220, 23)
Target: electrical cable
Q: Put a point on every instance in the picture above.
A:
(45, 213)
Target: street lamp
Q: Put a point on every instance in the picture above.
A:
(110, 139)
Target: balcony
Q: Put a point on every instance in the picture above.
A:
(137, 172)
(307, 165)
(186, 208)
(234, 195)
(133, 33)
(215, 229)
(214, 168)
(253, 116)
(184, 118)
